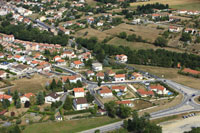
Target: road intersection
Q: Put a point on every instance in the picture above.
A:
(187, 104)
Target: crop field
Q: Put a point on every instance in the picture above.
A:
(178, 4)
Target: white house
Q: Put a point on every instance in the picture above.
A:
(4, 96)
(19, 58)
(118, 88)
(80, 103)
(159, 89)
(60, 62)
(174, 29)
(105, 92)
(136, 76)
(122, 58)
(1, 55)
(52, 97)
(77, 64)
(97, 67)
(100, 24)
(79, 92)
(120, 77)
(26, 97)
(72, 79)
(56, 58)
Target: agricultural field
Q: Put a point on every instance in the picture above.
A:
(35, 84)
(71, 126)
(172, 74)
(178, 4)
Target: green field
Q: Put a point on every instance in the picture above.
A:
(71, 126)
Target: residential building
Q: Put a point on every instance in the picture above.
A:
(126, 102)
(79, 92)
(122, 58)
(26, 97)
(136, 76)
(4, 96)
(3, 74)
(120, 77)
(80, 103)
(97, 67)
(52, 97)
(159, 89)
(72, 79)
(100, 75)
(144, 93)
(77, 64)
(105, 92)
(119, 88)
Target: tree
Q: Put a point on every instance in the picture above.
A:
(186, 37)
(124, 111)
(15, 96)
(111, 108)
(53, 85)
(40, 98)
(122, 35)
(89, 97)
(18, 104)
(6, 103)
(79, 83)
(161, 41)
(99, 82)
(68, 103)
(141, 124)
(27, 104)
(197, 40)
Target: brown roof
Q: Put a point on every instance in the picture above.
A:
(81, 100)
(105, 89)
(100, 74)
(54, 95)
(118, 87)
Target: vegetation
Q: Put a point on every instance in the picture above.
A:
(141, 124)
(161, 41)
(28, 33)
(113, 109)
(159, 57)
(68, 103)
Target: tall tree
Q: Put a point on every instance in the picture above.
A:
(68, 103)
(40, 98)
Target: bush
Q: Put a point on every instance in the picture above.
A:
(12, 114)
(18, 121)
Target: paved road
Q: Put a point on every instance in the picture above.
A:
(187, 105)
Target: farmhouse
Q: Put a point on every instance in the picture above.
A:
(105, 92)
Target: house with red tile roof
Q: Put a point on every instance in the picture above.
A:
(105, 92)
(4, 96)
(100, 75)
(110, 73)
(144, 93)
(174, 29)
(136, 76)
(90, 73)
(119, 88)
(159, 89)
(72, 79)
(79, 92)
(77, 64)
(26, 97)
(122, 58)
(120, 77)
(57, 57)
(61, 62)
(126, 102)
(1, 55)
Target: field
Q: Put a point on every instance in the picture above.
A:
(71, 126)
(35, 84)
(91, 33)
(138, 45)
(171, 73)
(179, 4)
(144, 31)
(141, 104)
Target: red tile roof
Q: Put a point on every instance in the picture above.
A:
(159, 87)
(28, 95)
(118, 87)
(78, 62)
(4, 96)
(188, 70)
(105, 89)
(120, 76)
(78, 89)
(123, 102)
(144, 92)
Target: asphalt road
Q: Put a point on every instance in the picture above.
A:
(187, 104)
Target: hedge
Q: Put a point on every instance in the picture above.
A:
(76, 112)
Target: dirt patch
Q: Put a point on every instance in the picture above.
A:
(35, 84)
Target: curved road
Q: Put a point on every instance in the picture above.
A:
(187, 104)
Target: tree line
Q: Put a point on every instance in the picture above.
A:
(159, 57)
(28, 33)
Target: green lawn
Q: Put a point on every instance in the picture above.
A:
(71, 126)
